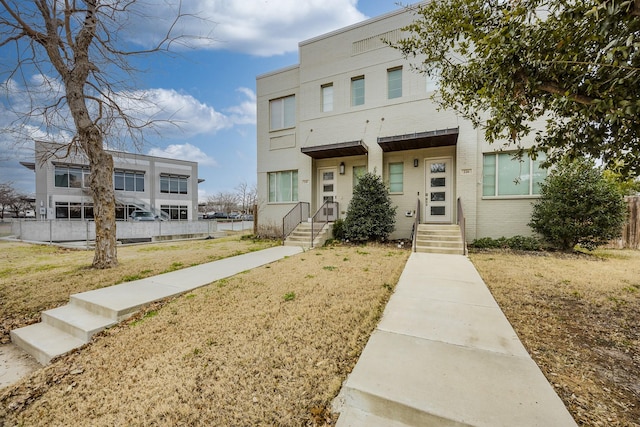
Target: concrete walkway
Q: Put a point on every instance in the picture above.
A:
(71, 326)
(444, 354)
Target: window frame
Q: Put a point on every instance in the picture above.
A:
(282, 106)
(355, 96)
(493, 175)
(396, 174)
(174, 184)
(274, 195)
(394, 92)
(326, 97)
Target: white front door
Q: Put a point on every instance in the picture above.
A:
(327, 191)
(438, 197)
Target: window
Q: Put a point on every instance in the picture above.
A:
(283, 112)
(128, 181)
(71, 177)
(394, 82)
(283, 186)
(504, 175)
(327, 97)
(396, 172)
(175, 213)
(174, 184)
(74, 210)
(357, 91)
(358, 171)
(433, 81)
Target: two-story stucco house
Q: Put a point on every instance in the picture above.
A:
(166, 187)
(353, 104)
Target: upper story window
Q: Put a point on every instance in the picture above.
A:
(174, 184)
(357, 91)
(504, 175)
(394, 82)
(327, 97)
(396, 177)
(128, 180)
(71, 176)
(283, 112)
(283, 186)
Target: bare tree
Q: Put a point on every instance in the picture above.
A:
(8, 196)
(247, 196)
(223, 201)
(75, 46)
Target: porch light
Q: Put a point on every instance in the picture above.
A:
(415, 163)
(341, 168)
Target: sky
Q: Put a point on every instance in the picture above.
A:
(208, 89)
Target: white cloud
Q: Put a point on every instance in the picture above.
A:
(184, 152)
(245, 112)
(257, 27)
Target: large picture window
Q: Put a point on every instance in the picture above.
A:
(174, 184)
(283, 112)
(504, 175)
(283, 186)
(396, 177)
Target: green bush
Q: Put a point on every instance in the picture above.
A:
(338, 229)
(578, 206)
(517, 243)
(370, 215)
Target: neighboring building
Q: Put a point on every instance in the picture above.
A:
(353, 105)
(166, 187)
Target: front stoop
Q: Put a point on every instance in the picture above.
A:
(439, 239)
(301, 236)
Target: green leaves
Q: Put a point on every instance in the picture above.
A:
(576, 63)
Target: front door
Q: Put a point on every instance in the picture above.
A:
(327, 192)
(438, 187)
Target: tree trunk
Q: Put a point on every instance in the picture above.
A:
(104, 209)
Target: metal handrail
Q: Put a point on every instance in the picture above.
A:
(461, 223)
(416, 223)
(328, 212)
(294, 217)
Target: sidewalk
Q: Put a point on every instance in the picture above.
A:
(71, 326)
(445, 354)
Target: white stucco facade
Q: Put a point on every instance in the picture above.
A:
(371, 123)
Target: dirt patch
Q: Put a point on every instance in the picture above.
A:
(270, 346)
(15, 364)
(578, 317)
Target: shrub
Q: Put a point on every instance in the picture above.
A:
(517, 243)
(370, 215)
(338, 229)
(578, 206)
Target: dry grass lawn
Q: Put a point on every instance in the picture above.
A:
(34, 278)
(579, 318)
(270, 346)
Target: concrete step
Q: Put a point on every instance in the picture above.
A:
(438, 250)
(353, 417)
(439, 243)
(44, 342)
(452, 236)
(76, 321)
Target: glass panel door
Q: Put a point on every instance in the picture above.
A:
(438, 187)
(327, 191)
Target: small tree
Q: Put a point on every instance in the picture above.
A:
(578, 206)
(370, 215)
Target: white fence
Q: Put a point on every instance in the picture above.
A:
(81, 231)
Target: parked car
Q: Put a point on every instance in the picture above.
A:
(143, 216)
(247, 217)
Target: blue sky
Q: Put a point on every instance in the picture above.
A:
(210, 88)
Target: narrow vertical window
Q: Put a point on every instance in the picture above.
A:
(357, 91)
(394, 82)
(358, 172)
(396, 177)
(327, 97)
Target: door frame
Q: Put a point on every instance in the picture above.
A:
(320, 189)
(449, 188)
